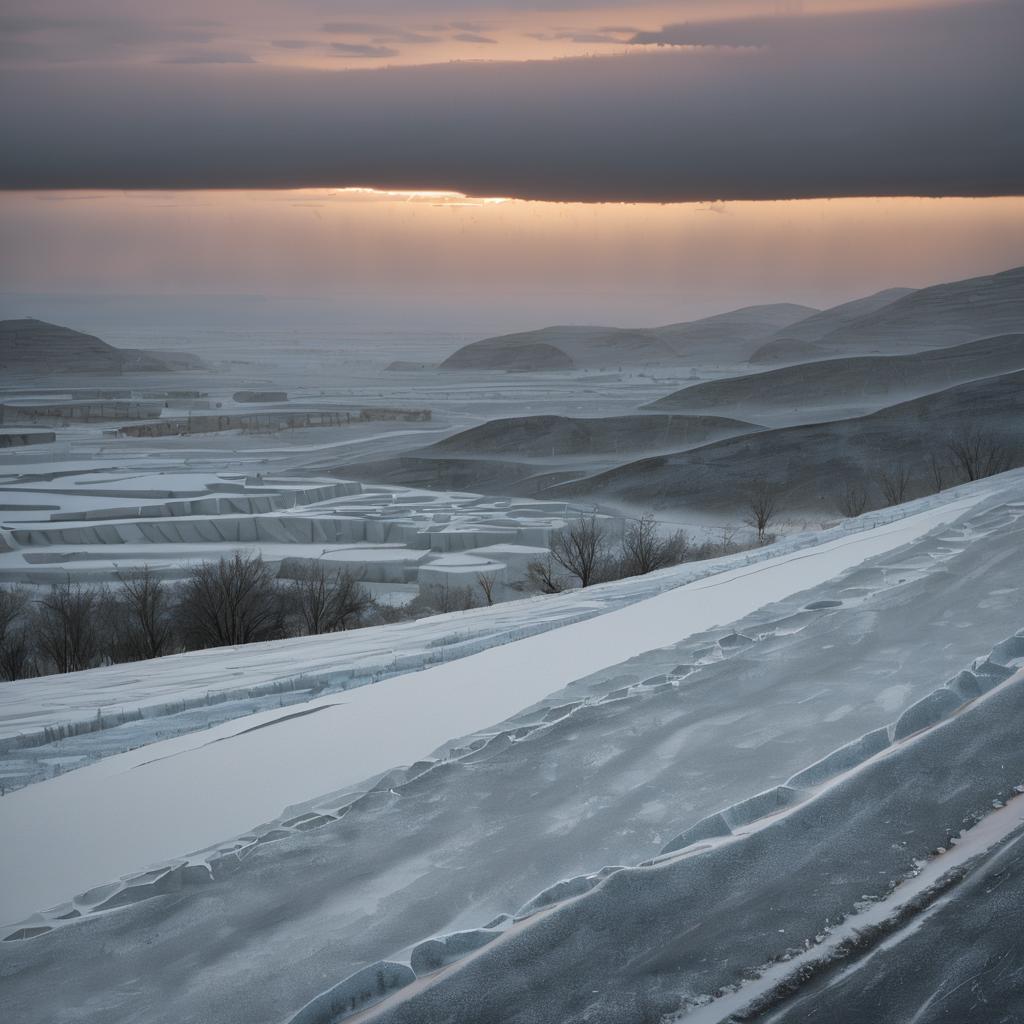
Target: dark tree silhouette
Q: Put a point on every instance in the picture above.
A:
(487, 581)
(581, 548)
(144, 620)
(545, 577)
(644, 550)
(15, 647)
(894, 484)
(852, 500)
(67, 626)
(978, 453)
(231, 601)
(328, 602)
(762, 508)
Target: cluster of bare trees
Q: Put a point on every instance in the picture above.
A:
(236, 600)
(585, 552)
(968, 453)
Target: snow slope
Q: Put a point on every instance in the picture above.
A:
(653, 733)
(191, 791)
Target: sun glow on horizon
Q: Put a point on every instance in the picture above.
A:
(433, 196)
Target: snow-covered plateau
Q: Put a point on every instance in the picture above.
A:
(761, 786)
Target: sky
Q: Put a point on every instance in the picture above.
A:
(568, 159)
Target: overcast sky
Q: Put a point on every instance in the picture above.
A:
(580, 107)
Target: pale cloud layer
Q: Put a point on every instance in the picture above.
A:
(36, 33)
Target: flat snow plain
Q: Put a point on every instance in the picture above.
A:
(168, 799)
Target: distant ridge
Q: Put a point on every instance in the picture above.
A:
(35, 346)
(526, 454)
(934, 317)
(864, 379)
(819, 324)
(725, 337)
(539, 436)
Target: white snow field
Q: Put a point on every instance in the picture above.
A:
(807, 686)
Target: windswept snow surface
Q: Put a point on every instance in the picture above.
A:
(659, 725)
(189, 792)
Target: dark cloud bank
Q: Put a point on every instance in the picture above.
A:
(919, 103)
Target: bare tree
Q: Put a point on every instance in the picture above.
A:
(17, 660)
(350, 600)
(545, 577)
(937, 471)
(14, 604)
(852, 501)
(978, 453)
(327, 601)
(895, 483)
(580, 548)
(762, 508)
(644, 550)
(487, 581)
(66, 626)
(311, 592)
(144, 622)
(231, 601)
(443, 597)
(15, 649)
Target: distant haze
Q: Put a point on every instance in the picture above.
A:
(342, 260)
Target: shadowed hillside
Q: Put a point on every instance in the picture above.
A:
(806, 392)
(727, 337)
(525, 455)
(539, 436)
(811, 464)
(796, 342)
(944, 314)
(35, 346)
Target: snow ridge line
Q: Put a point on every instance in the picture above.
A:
(985, 674)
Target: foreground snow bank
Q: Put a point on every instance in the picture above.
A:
(191, 791)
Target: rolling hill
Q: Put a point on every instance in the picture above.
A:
(540, 436)
(812, 463)
(942, 315)
(35, 346)
(809, 391)
(726, 337)
(795, 342)
(525, 455)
